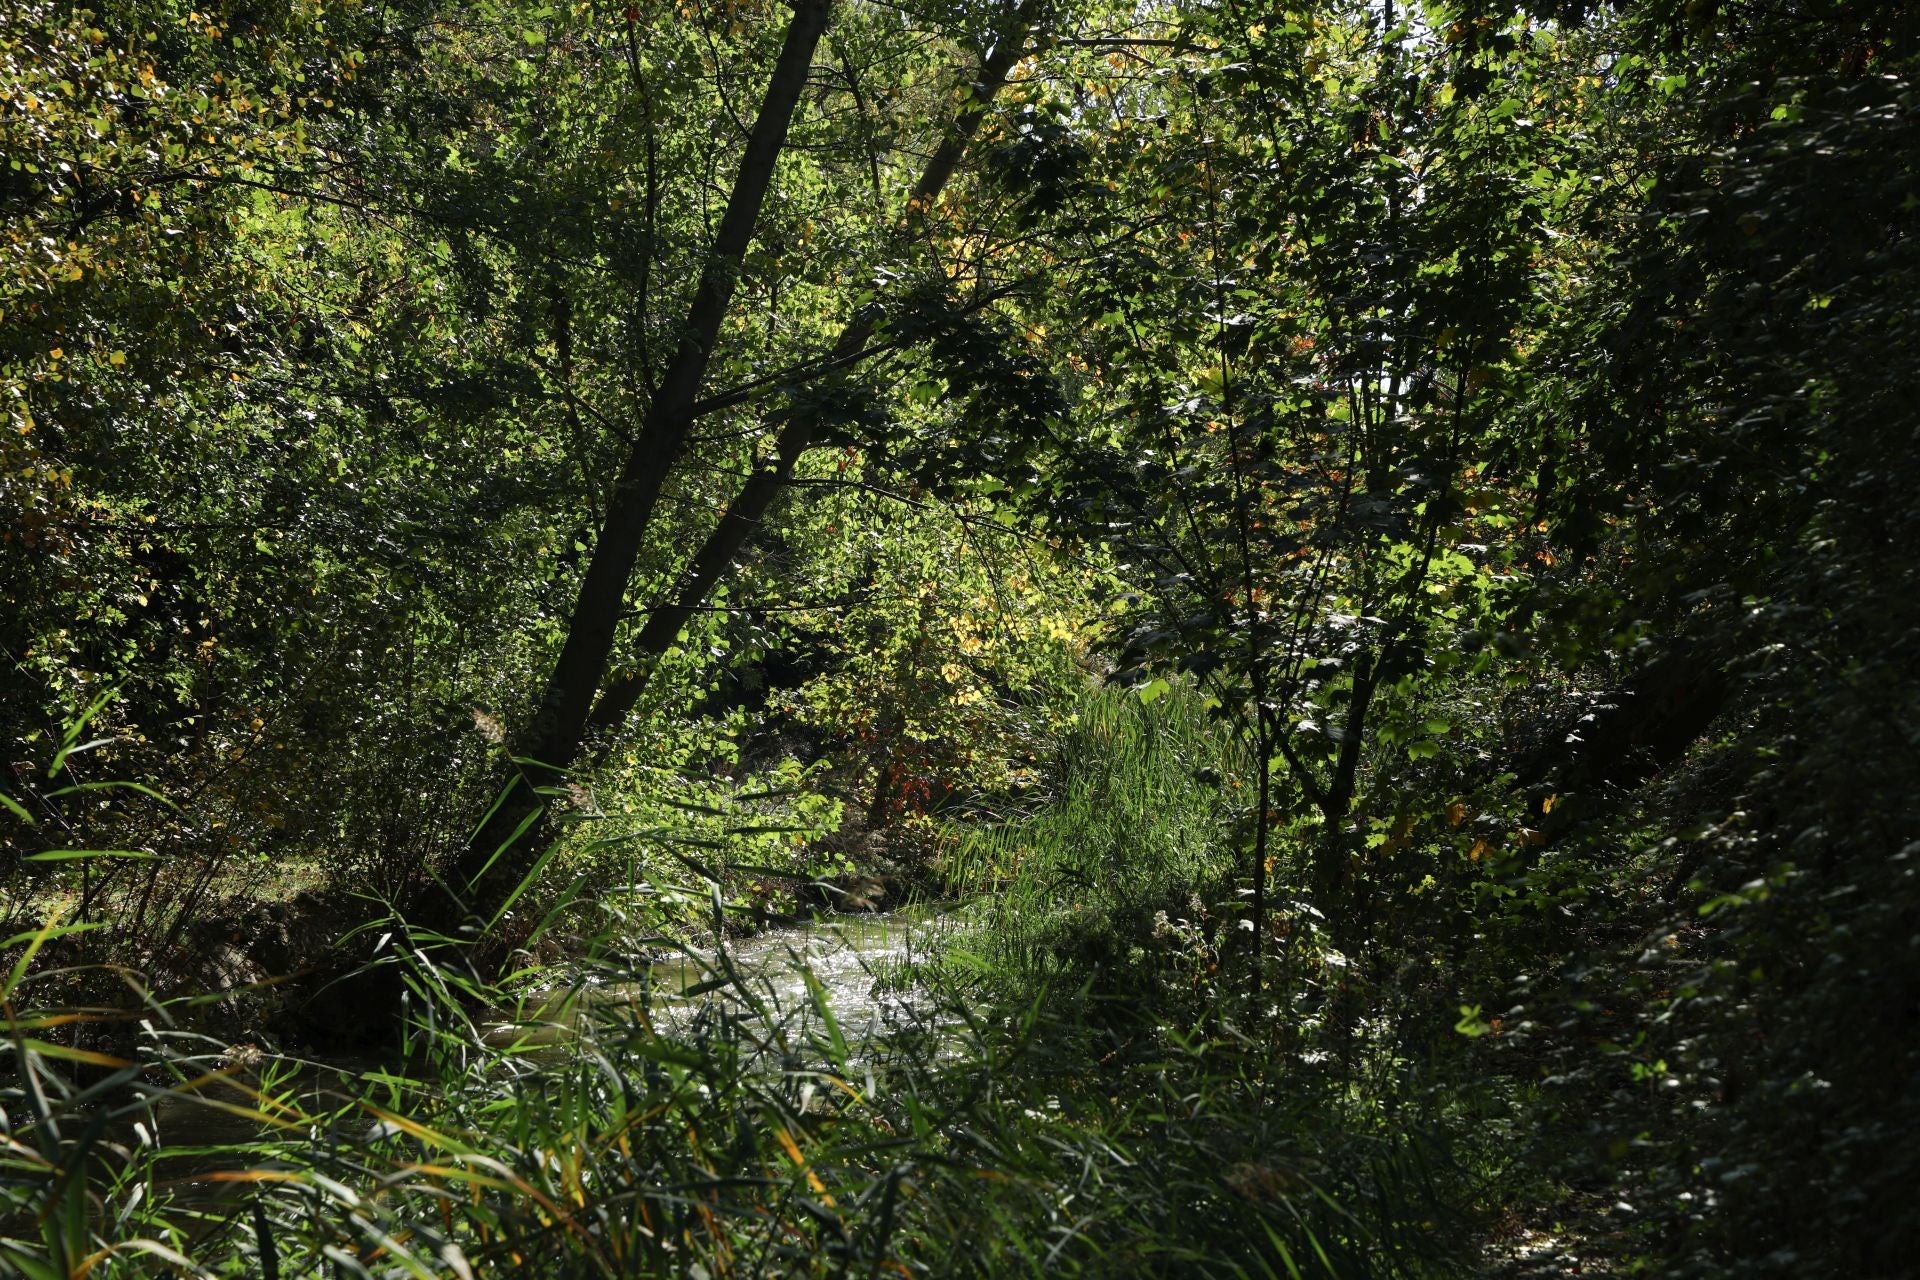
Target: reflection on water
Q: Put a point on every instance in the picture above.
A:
(859, 968)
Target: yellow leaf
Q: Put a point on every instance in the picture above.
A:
(252, 1175)
(800, 1162)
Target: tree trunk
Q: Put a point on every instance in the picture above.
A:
(770, 477)
(503, 851)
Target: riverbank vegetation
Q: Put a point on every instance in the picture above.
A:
(1336, 574)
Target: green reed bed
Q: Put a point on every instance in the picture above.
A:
(1069, 1090)
(1138, 820)
(747, 1140)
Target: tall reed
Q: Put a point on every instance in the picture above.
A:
(585, 1120)
(578, 1132)
(1138, 819)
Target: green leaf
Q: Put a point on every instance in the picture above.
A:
(12, 806)
(70, 740)
(1471, 1024)
(818, 995)
(140, 787)
(34, 941)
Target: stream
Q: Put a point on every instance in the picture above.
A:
(857, 966)
(861, 966)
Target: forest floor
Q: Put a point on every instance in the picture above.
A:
(1547, 1242)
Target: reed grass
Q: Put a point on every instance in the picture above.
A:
(1138, 820)
(586, 1121)
(749, 1140)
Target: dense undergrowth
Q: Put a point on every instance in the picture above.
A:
(1074, 1088)
(741, 1146)
(1084, 1080)
(1363, 551)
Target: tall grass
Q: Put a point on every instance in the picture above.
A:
(583, 1121)
(596, 1139)
(1139, 818)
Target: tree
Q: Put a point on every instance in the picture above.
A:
(1730, 440)
(674, 398)
(1297, 322)
(187, 291)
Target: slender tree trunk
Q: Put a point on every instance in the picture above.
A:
(750, 506)
(704, 572)
(1262, 832)
(502, 852)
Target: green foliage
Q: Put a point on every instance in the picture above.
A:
(1294, 381)
(1473, 441)
(954, 650)
(1133, 824)
(593, 1133)
(209, 503)
(1750, 426)
(762, 835)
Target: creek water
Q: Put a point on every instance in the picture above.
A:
(858, 967)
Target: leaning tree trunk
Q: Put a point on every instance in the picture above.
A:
(504, 850)
(770, 476)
